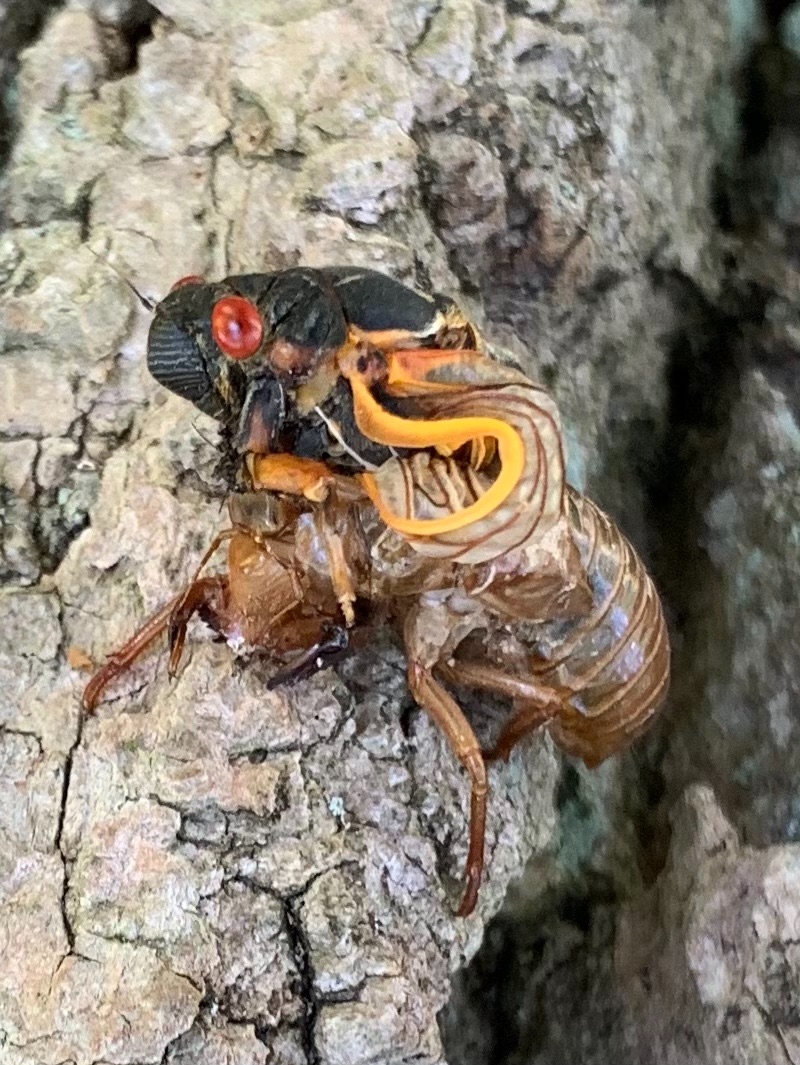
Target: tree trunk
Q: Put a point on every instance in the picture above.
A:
(205, 871)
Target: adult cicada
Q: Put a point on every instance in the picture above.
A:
(381, 456)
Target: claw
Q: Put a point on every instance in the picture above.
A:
(467, 904)
(176, 638)
(325, 653)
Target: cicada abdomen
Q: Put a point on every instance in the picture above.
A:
(543, 558)
(611, 664)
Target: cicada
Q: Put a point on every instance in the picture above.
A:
(381, 455)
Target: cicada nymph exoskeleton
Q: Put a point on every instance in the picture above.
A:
(601, 639)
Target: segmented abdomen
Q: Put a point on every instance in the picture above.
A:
(546, 552)
(425, 487)
(614, 662)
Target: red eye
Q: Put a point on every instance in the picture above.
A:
(237, 327)
(191, 279)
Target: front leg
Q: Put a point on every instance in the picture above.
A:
(207, 594)
(305, 478)
(172, 618)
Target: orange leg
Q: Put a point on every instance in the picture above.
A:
(119, 661)
(526, 718)
(448, 715)
(207, 593)
(534, 704)
(220, 538)
(299, 477)
(172, 619)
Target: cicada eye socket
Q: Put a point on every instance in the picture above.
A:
(190, 279)
(237, 327)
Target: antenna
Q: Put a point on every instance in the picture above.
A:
(146, 302)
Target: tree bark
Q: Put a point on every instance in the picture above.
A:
(205, 871)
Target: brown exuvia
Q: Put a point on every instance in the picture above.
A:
(384, 458)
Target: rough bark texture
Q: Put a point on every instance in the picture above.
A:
(208, 872)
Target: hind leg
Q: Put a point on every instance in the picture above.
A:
(526, 718)
(534, 704)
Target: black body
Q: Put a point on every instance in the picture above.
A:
(306, 312)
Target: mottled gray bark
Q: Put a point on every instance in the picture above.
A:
(209, 872)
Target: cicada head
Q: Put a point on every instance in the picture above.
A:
(249, 350)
